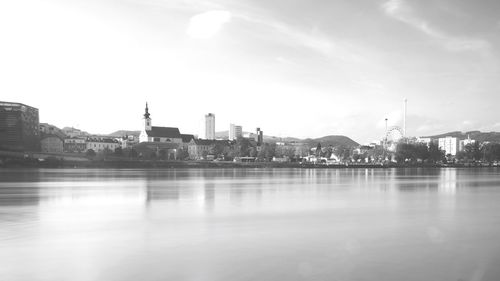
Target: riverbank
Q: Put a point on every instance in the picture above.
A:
(131, 164)
(45, 160)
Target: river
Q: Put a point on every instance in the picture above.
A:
(250, 224)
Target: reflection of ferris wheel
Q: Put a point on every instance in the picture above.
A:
(394, 134)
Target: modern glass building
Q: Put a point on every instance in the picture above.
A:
(19, 129)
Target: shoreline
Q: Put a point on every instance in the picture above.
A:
(165, 164)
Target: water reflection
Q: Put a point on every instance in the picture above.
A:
(249, 224)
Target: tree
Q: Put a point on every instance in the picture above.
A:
(182, 154)
(243, 146)
(343, 152)
(163, 154)
(90, 153)
(252, 151)
(204, 154)
(267, 151)
(152, 155)
(132, 153)
(118, 151)
(318, 150)
(218, 148)
(404, 152)
(435, 154)
(106, 151)
(491, 152)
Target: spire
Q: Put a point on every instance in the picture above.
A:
(146, 114)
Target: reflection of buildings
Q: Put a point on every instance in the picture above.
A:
(26, 194)
(158, 190)
(449, 181)
(19, 127)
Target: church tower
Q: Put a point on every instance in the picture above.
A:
(147, 119)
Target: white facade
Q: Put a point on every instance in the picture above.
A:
(145, 138)
(464, 143)
(235, 132)
(426, 141)
(449, 145)
(100, 145)
(210, 126)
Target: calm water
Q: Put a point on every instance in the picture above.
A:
(255, 224)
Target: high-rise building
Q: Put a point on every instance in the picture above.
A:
(19, 127)
(210, 126)
(449, 145)
(259, 136)
(235, 131)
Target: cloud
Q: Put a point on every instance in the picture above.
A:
(312, 39)
(207, 24)
(401, 11)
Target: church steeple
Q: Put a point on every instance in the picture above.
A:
(146, 114)
(147, 119)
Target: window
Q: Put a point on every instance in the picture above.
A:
(156, 139)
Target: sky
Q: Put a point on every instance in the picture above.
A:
(291, 67)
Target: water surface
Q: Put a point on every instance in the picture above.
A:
(250, 224)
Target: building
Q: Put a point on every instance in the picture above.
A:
(200, 148)
(235, 132)
(51, 144)
(421, 140)
(151, 133)
(259, 137)
(73, 132)
(48, 129)
(75, 145)
(99, 144)
(19, 127)
(449, 145)
(210, 126)
(186, 139)
(463, 143)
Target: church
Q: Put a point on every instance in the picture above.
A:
(157, 134)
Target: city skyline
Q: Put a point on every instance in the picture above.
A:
(328, 68)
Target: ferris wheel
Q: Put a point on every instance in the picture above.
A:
(394, 134)
(392, 137)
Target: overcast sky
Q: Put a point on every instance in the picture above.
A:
(293, 68)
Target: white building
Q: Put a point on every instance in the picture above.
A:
(235, 132)
(463, 143)
(425, 141)
(158, 134)
(100, 144)
(210, 126)
(449, 145)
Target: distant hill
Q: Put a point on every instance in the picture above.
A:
(122, 133)
(475, 135)
(221, 135)
(334, 140)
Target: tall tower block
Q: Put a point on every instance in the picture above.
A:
(210, 126)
